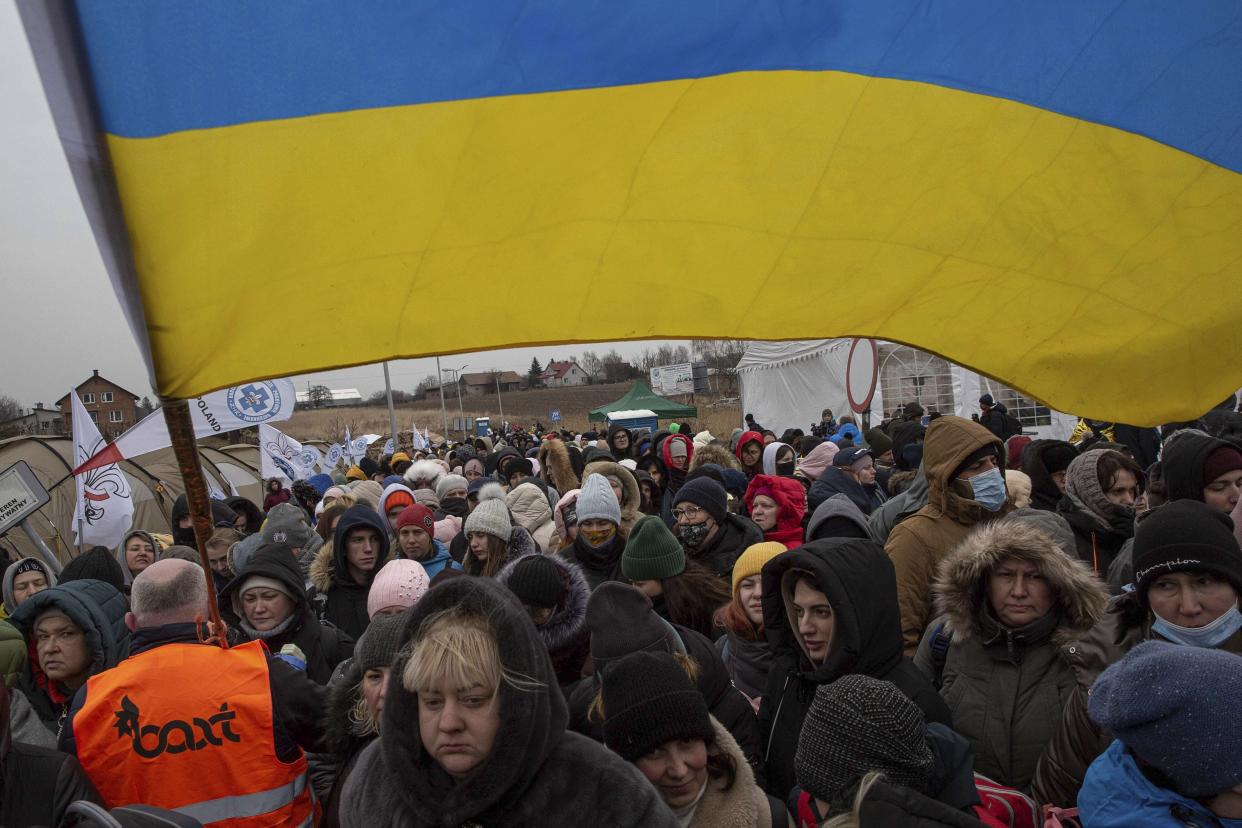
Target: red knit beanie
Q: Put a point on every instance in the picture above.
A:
(417, 515)
(1222, 460)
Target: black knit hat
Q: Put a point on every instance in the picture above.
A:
(707, 494)
(97, 563)
(622, 621)
(378, 645)
(537, 582)
(1185, 536)
(649, 700)
(856, 725)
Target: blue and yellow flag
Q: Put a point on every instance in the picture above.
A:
(1050, 193)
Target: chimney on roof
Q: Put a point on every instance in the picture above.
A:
(39, 406)
(96, 372)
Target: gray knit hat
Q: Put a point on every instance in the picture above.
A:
(290, 529)
(598, 501)
(492, 517)
(378, 645)
(450, 482)
(856, 725)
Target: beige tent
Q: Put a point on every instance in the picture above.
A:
(154, 481)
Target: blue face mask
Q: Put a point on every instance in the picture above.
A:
(989, 489)
(1207, 637)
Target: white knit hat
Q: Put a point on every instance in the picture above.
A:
(492, 517)
(598, 501)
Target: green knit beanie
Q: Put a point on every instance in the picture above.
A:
(651, 552)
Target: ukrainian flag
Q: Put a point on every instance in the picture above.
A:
(1047, 192)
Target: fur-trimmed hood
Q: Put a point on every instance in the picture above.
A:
(714, 453)
(961, 580)
(569, 617)
(743, 803)
(631, 495)
(555, 465)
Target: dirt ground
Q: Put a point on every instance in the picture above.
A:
(522, 407)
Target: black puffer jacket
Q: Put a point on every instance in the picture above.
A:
(39, 783)
(860, 584)
(98, 609)
(322, 644)
(536, 774)
(719, 552)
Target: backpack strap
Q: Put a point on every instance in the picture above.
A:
(941, 641)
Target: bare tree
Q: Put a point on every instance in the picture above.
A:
(9, 408)
(721, 357)
(591, 363)
(318, 396)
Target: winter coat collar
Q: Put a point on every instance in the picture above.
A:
(961, 583)
(740, 805)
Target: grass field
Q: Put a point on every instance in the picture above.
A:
(523, 407)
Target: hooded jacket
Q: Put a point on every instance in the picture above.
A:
(322, 645)
(529, 507)
(1116, 794)
(714, 453)
(98, 609)
(1045, 494)
(859, 581)
(10, 574)
(537, 774)
(921, 541)
(1078, 740)
(555, 465)
(746, 438)
(390, 490)
(334, 595)
(439, 560)
(39, 784)
(790, 500)
(881, 522)
(837, 517)
(149, 538)
(631, 497)
(629, 450)
(565, 634)
(1181, 465)
(1007, 688)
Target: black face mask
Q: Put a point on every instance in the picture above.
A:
(785, 469)
(455, 506)
(185, 537)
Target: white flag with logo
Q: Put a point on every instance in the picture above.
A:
(389, 447)
(219, 412)
(420, 443)
(279, 455)
(105, 506)
(332, 458)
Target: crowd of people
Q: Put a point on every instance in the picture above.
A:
(935, 621)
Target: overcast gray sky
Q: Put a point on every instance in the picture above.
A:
(59, 318)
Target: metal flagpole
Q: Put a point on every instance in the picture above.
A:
(443, 408)
(500, 403)
(392, 415)
(181, 430)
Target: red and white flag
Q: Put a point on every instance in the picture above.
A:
(219, 412)
(105, 506)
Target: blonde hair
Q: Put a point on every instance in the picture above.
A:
(457, 647)
(362, 720)
(854, 818)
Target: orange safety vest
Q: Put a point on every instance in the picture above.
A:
(188, 727)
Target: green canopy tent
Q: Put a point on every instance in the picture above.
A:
(641, 396)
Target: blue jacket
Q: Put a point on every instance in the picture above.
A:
(1116, 794)
(439, 559)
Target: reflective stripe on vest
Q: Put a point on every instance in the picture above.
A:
(189, 728)
(246, 805)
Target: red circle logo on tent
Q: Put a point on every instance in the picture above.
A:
(861, 372)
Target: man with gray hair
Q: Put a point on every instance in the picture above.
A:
(185, 724)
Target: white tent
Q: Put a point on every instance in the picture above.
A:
(788, 384)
